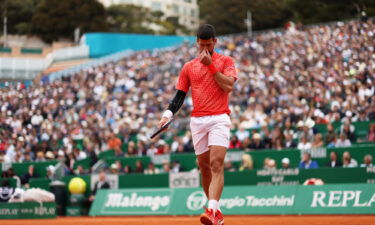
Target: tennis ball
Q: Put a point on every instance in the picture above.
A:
(77, 186)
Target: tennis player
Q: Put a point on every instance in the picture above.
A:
(211, 77)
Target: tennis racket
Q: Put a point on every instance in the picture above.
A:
(161, 129)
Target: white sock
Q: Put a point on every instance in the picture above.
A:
(213, 204)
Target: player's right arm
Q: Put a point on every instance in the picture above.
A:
(182, 86)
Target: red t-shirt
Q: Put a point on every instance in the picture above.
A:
(208, 97)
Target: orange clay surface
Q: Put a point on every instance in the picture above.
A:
(194, 220)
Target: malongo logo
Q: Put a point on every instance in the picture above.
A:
(135, 200)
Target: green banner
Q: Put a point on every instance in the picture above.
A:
(27, 210)
(245, 200)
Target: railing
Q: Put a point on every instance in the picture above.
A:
(27, 68)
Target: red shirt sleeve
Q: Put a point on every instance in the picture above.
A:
(229, 69)
(183, 82)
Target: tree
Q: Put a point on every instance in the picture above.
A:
(228, 16)
(129, 19)
(135, 19)
(19, 14)
(55, 19)
(316, 11)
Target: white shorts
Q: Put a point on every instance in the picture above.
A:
(210, 130)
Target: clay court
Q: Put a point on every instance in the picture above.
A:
(181, 220)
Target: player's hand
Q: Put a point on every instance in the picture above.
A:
(205, 57)
(163, 121)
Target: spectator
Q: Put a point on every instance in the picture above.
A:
(289, 142)
(234, 143)
(241, 133)
(26, 177)
(269, 163)
(114, 169)
(307, 162)
(80, 171)
(330, 136)
(228, 166)
(334, 162)
(343, 141)
(256, 143)
(371, 133)
(102, 183)
(285, 163)
(139, 166)
(367, 161)
(246, 163)
(304, 144)
(318, 142)
(176, 167)
(166, 168)
(348, 161)
(127, 169)
(348, 129)
(40, 157)
(12, 174)
(151, 169)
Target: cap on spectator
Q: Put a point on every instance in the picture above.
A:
(114, 166)
(300, 123)
(60, 153)
(49, 155)
(348, 114)
(285, 160)
(309, 123)
(256, 136)
(20, 138)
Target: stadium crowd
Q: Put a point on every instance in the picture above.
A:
(293, 79)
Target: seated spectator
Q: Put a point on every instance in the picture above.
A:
(333, 160)
(80, 171)
(12, 174)
(246, 163)
(307, 162)
(152, 150)
(78, 154)
(348, 129)
(176, 167)
(343, 141)
(101, 184)
(114, 142)
(256, 142)
(348, 161)
(285, 163)
(241, 133)
(228, 166)
(26, 177)
(371, 133)
(234, 143)
(317, 142)
(114, 169)
(127, 169)
(330, 138)
(151, 169)
(119, 153)
(40, 157)
(367, 161)
(166, 168)
(304, 144)
(139, 166)
(50, 155)
(269, 163)
(289, 142)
